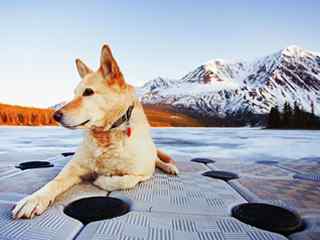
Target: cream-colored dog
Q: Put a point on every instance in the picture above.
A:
(117, 150)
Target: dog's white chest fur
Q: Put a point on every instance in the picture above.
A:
(115, 154)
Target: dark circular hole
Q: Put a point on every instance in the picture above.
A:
(223, 175)
(268, 217)
(34, 164)
(268, 162)
(66, 154)
(92, 209)
(202, 160)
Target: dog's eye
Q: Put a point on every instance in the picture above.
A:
(88, 92)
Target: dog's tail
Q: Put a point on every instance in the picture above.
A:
(166, 163)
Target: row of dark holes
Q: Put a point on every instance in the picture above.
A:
(261, 215)
(264, 216)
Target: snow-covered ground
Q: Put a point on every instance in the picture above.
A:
(29, 143)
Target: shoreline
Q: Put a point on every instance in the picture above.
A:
(168, 127)
(164, 127)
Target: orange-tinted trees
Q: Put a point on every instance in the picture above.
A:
(28, 116)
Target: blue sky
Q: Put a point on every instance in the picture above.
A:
(39, 40)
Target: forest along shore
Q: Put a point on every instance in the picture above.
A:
(14, 115)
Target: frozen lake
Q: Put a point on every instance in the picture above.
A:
(31, 143)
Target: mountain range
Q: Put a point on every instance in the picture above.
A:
(238, 92)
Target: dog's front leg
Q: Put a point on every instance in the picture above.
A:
(118, 182)
(39, 201)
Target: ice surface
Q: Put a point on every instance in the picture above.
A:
(19, 144)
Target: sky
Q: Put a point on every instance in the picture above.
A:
(39, 40)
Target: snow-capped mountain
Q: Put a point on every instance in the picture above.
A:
(221, 88)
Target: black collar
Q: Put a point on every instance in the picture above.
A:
(124, 118)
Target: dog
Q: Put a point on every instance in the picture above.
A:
(117, 151)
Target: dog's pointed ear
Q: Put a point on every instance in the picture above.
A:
(82, 68)
(109, 67)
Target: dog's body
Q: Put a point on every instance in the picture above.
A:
(117, 151)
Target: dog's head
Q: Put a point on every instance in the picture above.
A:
(100, 98)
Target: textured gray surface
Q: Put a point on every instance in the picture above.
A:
(310, 177)
(312, 229)
(156, 226)
(28, 181)
(8, 171)
(186, 193)
(79, 191)
(189, 206)
(191, 167)
(264, 171)
(53, 224)
(289, 185)
(11, 197)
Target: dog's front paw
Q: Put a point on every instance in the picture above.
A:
(30, 206)
(171, 169)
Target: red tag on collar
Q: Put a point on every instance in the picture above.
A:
(129, 131)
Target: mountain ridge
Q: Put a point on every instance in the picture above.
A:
(221, 88)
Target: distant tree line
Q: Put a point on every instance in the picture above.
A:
(27, 116)
(292, 118)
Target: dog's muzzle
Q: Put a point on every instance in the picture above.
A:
(58, 117)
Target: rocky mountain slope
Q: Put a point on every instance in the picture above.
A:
(228, 89)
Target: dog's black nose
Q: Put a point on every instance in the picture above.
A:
(58, 116)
